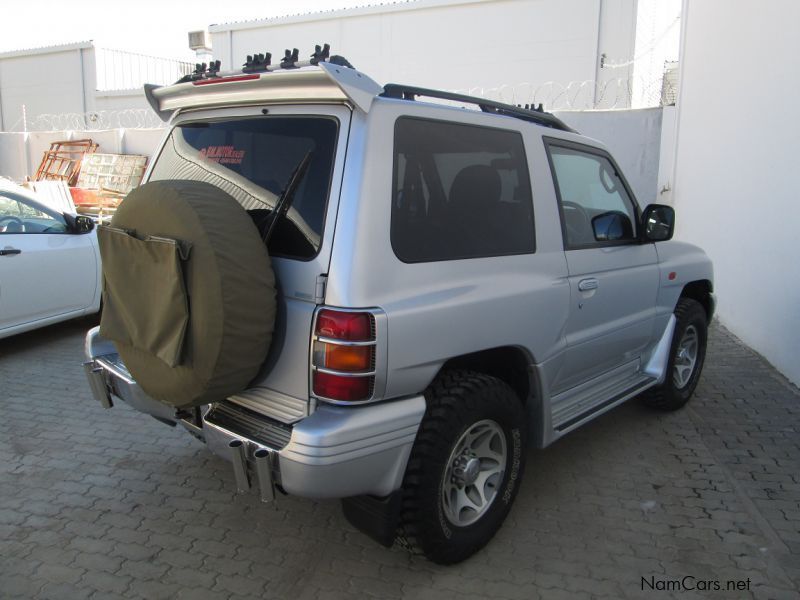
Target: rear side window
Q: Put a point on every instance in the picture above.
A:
(459, 191)
(252, 159)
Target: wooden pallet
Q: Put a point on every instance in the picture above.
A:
(62, 162)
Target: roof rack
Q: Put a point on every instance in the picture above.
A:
(533, 115)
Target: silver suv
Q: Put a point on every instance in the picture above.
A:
(456, 281)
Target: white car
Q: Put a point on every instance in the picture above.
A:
(49, 263)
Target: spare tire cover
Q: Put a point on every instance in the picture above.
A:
(189, 292)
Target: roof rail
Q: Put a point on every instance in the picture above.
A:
(533, 115)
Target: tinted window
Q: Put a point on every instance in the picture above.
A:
(459, 191)
(252, 159)
(589, 186)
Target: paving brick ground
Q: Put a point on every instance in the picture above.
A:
(108, 504)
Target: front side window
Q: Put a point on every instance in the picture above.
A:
(595, 206)
(459, 191)
(252, 159)
(18, 215)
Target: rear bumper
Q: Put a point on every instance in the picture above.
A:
(336, 452)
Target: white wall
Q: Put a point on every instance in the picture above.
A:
(13, 156)
(59, 79)
(453, 44)
(61, 82)
(121, 100)
(632, 136)
(21, 153)
(736, 166)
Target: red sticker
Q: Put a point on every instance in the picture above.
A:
(224, 155)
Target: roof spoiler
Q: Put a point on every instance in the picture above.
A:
(304, 82)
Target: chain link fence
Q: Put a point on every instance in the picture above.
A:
(121, 70)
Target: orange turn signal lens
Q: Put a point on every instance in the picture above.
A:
(346, 358)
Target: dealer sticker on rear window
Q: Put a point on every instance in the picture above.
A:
(225, 155)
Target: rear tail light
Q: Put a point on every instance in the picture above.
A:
(343, 357)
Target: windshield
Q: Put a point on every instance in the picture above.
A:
(252, 159)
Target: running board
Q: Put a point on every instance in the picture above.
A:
(605, 406)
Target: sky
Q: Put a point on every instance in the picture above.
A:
(157, 28)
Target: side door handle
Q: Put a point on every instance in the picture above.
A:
(585, 285)
(8, 251)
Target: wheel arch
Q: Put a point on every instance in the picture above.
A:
(702, 291)
(511, 364)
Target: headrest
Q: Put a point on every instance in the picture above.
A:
(477, 186)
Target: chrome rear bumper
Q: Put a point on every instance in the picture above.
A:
(336, 452)
(108, 378)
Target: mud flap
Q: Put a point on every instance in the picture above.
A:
(375, 517)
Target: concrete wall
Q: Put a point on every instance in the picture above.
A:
(61, 82)
(454, 44)
(21, 153)
(59, 79)
(634, 139)
(121, 100)
(735, 188)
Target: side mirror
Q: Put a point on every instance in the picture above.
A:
(611, 226)
(658, 223)
(82, 224)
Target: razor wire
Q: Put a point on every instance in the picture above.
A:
(581, 95)
(614, 93)
(131, 118)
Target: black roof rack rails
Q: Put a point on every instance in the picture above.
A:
(538, 116)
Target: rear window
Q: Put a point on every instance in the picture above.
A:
(252, 160)
(460, 191)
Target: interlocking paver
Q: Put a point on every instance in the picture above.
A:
(109, 504)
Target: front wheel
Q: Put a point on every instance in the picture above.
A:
(465, 467)
(686, 358)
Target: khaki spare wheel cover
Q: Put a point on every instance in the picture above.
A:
(189, 292)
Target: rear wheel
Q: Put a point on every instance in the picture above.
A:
(687, 355)
(465, 466)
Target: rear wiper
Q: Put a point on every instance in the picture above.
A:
(287, 195)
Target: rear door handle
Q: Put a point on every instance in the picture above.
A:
(8, 251)
(585, 285)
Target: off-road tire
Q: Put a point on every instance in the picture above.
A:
(669, 396)
(456, 401)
